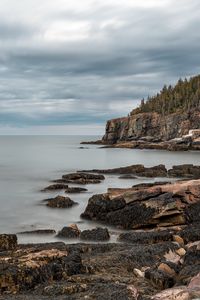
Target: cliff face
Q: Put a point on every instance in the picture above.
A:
(152, 126)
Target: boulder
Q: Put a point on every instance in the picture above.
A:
(70, 232)
(97, 234)
(59, 202)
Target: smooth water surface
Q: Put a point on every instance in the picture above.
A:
(28, 163)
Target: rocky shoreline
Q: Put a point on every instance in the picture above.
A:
(156, 256)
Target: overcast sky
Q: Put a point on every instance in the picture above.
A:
(68, 66)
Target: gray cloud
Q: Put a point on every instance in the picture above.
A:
(83, 62)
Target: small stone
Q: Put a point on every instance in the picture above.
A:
(178, 239)
(138, 273)
(165, 268)
(181, 251)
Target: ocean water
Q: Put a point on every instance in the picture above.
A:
(28, 163)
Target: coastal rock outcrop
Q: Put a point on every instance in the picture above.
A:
(162, 205)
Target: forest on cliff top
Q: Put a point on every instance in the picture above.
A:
(182, 97)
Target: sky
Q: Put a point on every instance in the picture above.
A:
(68, 66)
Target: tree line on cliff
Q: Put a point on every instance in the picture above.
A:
(182, 97)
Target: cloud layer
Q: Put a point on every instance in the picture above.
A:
(66, 64)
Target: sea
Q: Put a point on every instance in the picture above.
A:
(29, 163)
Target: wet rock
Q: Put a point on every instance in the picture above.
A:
(8, 242)
(83, 178)
(70, 232)
(97, 234)
(100, 205)
(55, 187)
(74, 190)
(138, 170)
(59, 202)
(186, 171)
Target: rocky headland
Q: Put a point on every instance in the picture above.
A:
(169, 120)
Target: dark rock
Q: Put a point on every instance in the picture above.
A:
(70, 232)
(149, 237)
(8, 242)
(59, 202)
(186, 171)
(55, 187)
(138, 170)
(191, 233)
(159, 278)
(83, 178)
(74, 190)
(29, 267)
(97, 234)
(39, 231)
(100, 205)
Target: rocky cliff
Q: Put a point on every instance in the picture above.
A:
(151, 126)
